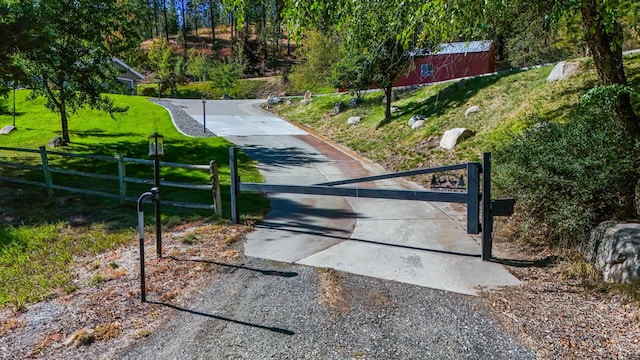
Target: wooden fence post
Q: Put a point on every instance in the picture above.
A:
(45, 168)
(215, 187)
(121, 175)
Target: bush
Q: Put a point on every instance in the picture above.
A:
(320, 53)
(150, 91)
(567, 178)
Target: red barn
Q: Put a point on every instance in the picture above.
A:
(451, 61)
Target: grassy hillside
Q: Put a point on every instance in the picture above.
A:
(509, 102)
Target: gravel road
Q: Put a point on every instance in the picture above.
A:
(267, 310)
(270, 310)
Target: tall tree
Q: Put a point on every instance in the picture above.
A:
(72, 63)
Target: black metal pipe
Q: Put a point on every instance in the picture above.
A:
(156, 177)
(149, 194)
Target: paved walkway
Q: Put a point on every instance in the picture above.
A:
(419, 243)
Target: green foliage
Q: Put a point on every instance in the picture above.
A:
(198, 65)
(568, 177)
(225, 74)
(72, 59)
(320, 52)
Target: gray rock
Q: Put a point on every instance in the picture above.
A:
(471, 110)
(417, 125)
(615, 249)
(563, 70)
(353, 103)
(338, 107)
(273, 100)
(354, 120)
(453, 136)
(415, 118)
(55, 142)
(7, 129)
(394, 109)
(307, 96)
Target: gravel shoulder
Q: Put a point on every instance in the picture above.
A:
(266, 310)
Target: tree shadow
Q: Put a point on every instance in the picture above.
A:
(281, 157)
(286, 274)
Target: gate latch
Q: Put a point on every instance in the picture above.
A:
(502, 207)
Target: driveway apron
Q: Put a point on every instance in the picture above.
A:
(421, 243)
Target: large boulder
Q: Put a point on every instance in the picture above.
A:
(56, 142)
(563, 70)
(615, 249)
(453, 136)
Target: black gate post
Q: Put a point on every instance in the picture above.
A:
(233, 167)
(473, 198)
(487, 216)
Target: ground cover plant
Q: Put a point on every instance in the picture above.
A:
(39, 235)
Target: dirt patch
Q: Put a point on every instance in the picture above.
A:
(559, 316)
(105, 313)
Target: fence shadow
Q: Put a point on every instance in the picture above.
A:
(286, 274)
(218, 317)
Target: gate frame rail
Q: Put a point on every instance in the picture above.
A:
(480, 208)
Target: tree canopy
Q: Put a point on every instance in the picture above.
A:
(71, 63)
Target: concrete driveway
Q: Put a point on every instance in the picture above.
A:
(420, 243)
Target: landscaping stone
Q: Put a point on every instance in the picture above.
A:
(354, 120)
(273, 100)
(307, 96)
(614, 248)
(563, 70)
(338, 107)
(7, 129)
(415, 118)
(394, 109)
(417, 125)
(55, 142)
(471, 110)
(453, 136)
(353, 103)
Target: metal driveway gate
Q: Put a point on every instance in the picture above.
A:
(480, 208)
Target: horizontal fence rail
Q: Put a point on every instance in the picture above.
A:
(121, 178)
(478, 177)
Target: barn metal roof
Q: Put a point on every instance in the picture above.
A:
(455, 48)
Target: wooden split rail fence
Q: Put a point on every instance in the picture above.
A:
(121, 178)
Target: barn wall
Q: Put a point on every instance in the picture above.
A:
(449, 66)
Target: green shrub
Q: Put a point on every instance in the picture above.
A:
(567, 178)
(150, 91)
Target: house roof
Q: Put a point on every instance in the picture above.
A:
(455, 48)
(128, 68)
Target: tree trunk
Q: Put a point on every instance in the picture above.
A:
(387, 93)
(166, 21)
(213, 24)
(605, 45)
(64, 122)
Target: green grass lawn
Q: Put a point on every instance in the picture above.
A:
(39, 235)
